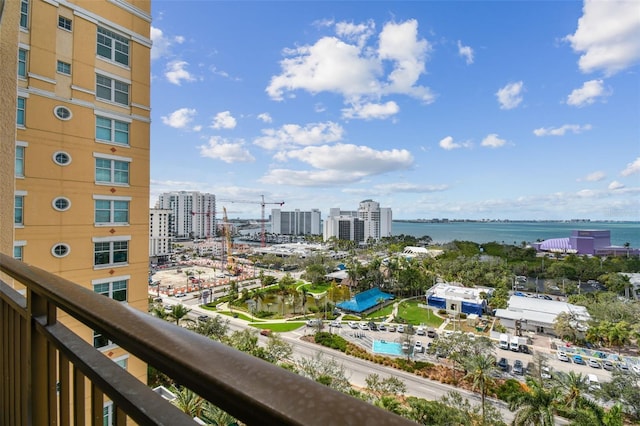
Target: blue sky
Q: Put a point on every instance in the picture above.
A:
(478, 110)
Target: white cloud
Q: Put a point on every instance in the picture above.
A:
(222, 149)
(161, 46)
(493, 141)
(176, 72)
(394, 188)
(560, 131)
(347, 157)
(338, 164)
(448, 144)
(510, 96)
(615, 185)
(608, 36)
(371, 111)
(357, 70)
(466, 52)
(265, 117)
(632, 168)
(179, 118)
(295, 135)
(594, 177)
(224, 120)
(587, 94)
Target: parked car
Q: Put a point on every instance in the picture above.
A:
(203, 318)
(577, 359)
(623, 366)
(545, 372)
(335, 324)
(418, 347)
(382, 327)
(364, 326)
(518, 367)
(635, 368)
(401, 328)
(432, 333)
(391, 328)
(594, 363)
(265, 332)
(562, 356)
(352, 324)
(607, 365)
(524, 349)
(420, 331)
(503, 364)
(373, 326)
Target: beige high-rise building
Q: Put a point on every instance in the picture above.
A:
(77, 140)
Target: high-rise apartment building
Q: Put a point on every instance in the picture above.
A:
(159, 235)
(193, 213)
(296, 222)
(369, 223)
(75, 88)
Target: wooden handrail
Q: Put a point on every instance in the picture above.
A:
(250, 389)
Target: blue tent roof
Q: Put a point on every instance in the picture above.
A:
(365, 300)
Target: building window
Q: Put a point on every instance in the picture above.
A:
(63, 68)
(113, 47)
(24, 14)
(18, 252)
(100, 341)
(61, 158)
(112, 171)
(107, 414)
(112, 130)
(61, 204)
(63, 113)
(19, 161)
(60, 250)
(116, 290)
(112, 90)
(20, 116)
(110, 253)
(64, 23)
(22, 62)
(111, 212)
(18, 213)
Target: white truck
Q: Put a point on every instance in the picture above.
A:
(504, 341)
(514, 344)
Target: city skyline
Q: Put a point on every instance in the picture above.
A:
(463, 110)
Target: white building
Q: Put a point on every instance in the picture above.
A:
(159, 234)
(458, 299)
(296, 222)
(369, 222)
(539, 315)
(193, 213)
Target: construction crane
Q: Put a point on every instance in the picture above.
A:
(263, 235)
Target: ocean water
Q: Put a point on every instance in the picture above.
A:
(516, 232)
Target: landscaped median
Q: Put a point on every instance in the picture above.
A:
(501, 388)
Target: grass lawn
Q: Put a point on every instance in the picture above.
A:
(384, 312)
(319, 288)
(278, 327)
(412, 314)
(240, 315)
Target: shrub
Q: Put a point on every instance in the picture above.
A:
(332, 341)
(442, 311)
(463, 316)
(509, 389)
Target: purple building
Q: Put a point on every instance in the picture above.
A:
(585, 241)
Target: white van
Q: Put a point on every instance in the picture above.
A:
(592, 382)
(515, 344)
(504, 341)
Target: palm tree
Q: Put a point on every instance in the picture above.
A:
(536, 406)
(480, 367)
(573, 385)
(187, 401)
(591, 413)
(178, 312)
(213, 415)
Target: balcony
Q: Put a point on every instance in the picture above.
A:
(51, 376)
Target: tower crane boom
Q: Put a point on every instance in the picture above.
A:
(263, 203)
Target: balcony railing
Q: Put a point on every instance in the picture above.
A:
(45, 366)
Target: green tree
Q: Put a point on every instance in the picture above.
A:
(214, 327)
(276, 350)
(536, 406)
(479, 369)
(213, 415)
(178, 312)
(378, 387)
(623, 388)
(187, 401)
(325, 370)
(573, 386)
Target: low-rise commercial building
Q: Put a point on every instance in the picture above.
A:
(457, 299)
